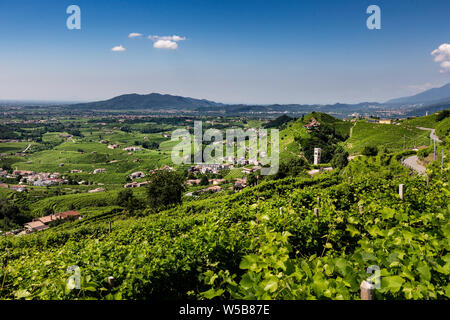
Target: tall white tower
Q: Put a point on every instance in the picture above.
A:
(317, 152)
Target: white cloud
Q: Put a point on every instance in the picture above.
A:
(165, 44)
(134, 35)
(168, 38)
(118, 49)
(445, 66)
(442, 56)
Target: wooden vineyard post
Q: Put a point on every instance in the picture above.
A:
(360, 209)
(111, 282)
(318, 201)
(367, 290)
(109, 227)
(400, 190)
(316, 212)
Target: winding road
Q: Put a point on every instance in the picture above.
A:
(412, 162)
(433, 135)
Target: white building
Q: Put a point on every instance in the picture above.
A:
(317, 153)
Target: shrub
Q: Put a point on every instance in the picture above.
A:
(370, 151)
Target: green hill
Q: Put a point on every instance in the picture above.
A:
(297, 140)
(242, 246)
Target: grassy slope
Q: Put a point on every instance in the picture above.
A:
(385, 135)
(442, 127)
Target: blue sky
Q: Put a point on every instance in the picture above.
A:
(234, 51)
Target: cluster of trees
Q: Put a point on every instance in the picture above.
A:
(291, 168)
(340, 158)
(370, 151)
(164, 191)
(148, 145)
(442, 115)
(279, 122)
(324, 137)
(11, 216)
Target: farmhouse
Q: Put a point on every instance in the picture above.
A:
(240, 183)
(136, 184)
(250, 170)
(137, 175)
(100, 170)
(113, 146)
(208, 168)
(47, 182)
(34, 226)
(69, 214)
(131, 185)
(192, 182)
(96, 190)
(217, 181)
(23, 173)
(47, 219)
(314, 123)
(212, 189)
(18, 188)
(166, 167)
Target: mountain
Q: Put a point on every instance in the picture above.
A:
(146, 101)
(433, 95)
(430, 109)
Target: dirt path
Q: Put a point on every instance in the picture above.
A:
(26, 149)
(351, 129)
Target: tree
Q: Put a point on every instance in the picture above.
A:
(126, 199)
(204, 180)
(150, 145)
(252, 179)
(165, 189)
(370, 151)
(124, 196)
(340, 158)
(442, 115)
(293, 168)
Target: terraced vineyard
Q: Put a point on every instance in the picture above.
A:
(243, 246)
(294, 236)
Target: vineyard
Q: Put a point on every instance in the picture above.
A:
(294, 238)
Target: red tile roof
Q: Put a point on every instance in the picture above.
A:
(66, 214)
